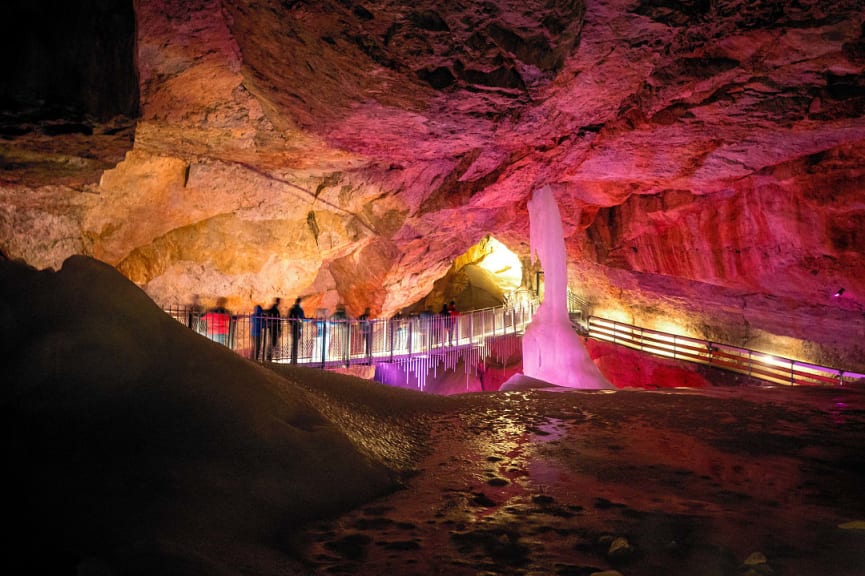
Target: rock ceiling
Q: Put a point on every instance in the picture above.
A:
(707, 155)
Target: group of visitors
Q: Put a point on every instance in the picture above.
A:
(431, 328)
(215, 323)
(327, 337)
(265, 330)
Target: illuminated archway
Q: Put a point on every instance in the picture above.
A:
(485, 275)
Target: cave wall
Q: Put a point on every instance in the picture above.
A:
(707, 156)
(68, 61)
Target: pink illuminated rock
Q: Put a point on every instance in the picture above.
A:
(707, 158)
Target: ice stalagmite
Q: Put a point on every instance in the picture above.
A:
(552, 350)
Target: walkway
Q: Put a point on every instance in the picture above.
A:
(760, 365)
(419, 343)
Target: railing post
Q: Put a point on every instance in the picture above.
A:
(423, 336)
(346, 347)
(322, 327)
(410, 330)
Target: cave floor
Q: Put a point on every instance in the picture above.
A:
(710, 482)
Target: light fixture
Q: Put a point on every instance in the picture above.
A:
(838, 293)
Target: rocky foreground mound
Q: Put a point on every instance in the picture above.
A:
(135, 446)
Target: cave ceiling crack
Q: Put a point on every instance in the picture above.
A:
(308, 193)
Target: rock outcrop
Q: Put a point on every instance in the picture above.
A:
(707, 156)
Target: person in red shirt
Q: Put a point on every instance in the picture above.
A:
(452, 321)
(217, 322)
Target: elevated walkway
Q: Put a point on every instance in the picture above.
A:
(417, 343)
(421, 343)
(766, 367)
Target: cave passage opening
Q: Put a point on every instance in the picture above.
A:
(487, 275)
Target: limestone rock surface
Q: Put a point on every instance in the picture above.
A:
(707, 156)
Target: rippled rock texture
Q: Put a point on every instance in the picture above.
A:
(707, 156)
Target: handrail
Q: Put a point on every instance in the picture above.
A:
(329, 343)
(767, 367)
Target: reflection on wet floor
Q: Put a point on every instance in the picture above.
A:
(725, 482)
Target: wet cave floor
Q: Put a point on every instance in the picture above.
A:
(734, 481)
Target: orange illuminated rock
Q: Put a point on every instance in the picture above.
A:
(350, 152)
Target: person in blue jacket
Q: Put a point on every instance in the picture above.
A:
(256, 326)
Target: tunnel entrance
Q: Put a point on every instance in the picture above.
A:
(486, 275)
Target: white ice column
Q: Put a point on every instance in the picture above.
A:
(552, 350)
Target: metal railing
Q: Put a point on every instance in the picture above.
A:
(329, 342)
(579, 308)
(760, 365)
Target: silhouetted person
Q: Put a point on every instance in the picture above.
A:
(274, 327)
(339, 332)
(296, 318)
(366, 330)
(397, 332)
(321, 337)
(452, 320)
(426, 326)
(193, 317)
(256, 327)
